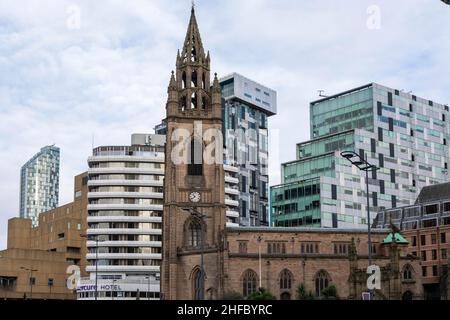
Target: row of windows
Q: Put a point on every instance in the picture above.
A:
(298, 192)
(126, 201)
(129, 237)
(286, 280)
(125, 213)
(145, 250)
(125, 262)
(126, 189)
(146, 165)
(434, 255)
(127, 177)
(120, 294)
(305, 248)
(433, 239)
(125, 225)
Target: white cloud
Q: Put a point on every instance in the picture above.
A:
(109, 78)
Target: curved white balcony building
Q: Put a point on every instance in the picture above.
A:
(125, 203)
(232, 195)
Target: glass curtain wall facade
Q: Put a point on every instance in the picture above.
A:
(39, 183)
(247, 106)
(405, 135)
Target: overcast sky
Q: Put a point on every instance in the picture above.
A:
(64, 80)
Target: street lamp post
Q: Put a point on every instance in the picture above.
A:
(362, 164)
(259, 260)
(31, 279)
(96, 262)
(148, 287)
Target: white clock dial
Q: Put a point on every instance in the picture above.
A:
(194, 196)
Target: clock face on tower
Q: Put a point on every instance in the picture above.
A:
(194, 196)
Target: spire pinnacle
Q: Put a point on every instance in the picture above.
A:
(192, 49)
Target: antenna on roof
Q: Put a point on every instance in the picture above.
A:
(321, 93)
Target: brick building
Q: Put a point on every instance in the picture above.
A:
(36, 259)
(426, 226)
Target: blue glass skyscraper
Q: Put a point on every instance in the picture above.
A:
(39, 183)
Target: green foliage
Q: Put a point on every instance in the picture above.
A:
(302, 294)
(330, 292)
(261, 294)
(233, 295)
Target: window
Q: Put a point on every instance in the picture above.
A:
(286, 280)
(424, 271)
(433, 238)
(50, 282)
(195, 166)
(444, 254)
(276, 248)
(321, 280)
(443, 240)
(194, 234)
(198, 284)
(435, 271)
(407, 272)
(248, 282)
(309, 247)
(423, 240)
(414, 241)
(424, 255)
(341, 248)
(242, 246)
(434, 254)
(32, 281)
(61, 236)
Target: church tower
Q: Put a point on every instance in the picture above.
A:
(194, 199)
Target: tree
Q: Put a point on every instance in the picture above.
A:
(302, 294)
(233, 295)
(330, 292)
(261, 294)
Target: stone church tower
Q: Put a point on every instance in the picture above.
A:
(194, 199)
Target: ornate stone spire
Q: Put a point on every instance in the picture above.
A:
(192, 77)
(192, 51)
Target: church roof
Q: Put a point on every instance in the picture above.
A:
(434, 192)
(398, 239)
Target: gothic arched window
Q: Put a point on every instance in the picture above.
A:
(198, 284)
(183, 80)
(286, 279)
(183, 103)
(193, 54)
(248, 282)
(195, 166)
(203, 102)
(407, 272)
(193, 100)
(194, 79)
(203, 81)
(322, 280)
(194, 234)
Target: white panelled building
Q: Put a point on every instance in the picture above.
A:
(124, 220)
(125, 205)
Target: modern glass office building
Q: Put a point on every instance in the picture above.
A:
(39, 183)
(246, 108)
(404, 135)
